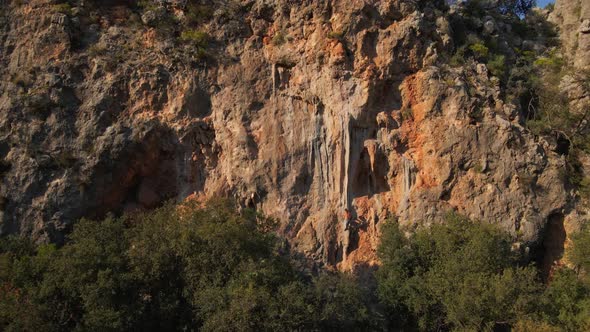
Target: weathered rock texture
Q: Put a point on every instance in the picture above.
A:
(312, 105)
(573, 19)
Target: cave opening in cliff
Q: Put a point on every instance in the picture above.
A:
(563, 144)
(551, 248)
(370, 179)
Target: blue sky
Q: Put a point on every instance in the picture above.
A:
(543, 3)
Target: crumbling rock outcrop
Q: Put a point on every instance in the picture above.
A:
(314, 106)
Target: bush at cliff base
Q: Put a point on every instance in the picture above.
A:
(461, 275)
(187, 268)
(209, 268)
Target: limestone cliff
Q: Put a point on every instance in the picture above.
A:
(313, 106)
(573, 19)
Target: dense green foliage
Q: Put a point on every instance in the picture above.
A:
(457, 275)
(182, 268)
(192, 268)
(579, 253)
(461, 275)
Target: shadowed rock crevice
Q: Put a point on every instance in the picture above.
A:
(550, 251)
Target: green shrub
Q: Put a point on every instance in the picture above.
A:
(478, 168)
(579, 252)
(458, 59)
(584, 187)
(458, 274)
(175, 268)
(64, 8)
(336, 35)
(196, 37)
(497, 66)
(552, 62)
(147, 4)
(578, 10)
(279, 39)
(449, 82)
(566, 302)
(479, 50)
(197, 14)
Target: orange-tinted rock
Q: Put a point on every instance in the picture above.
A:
(311, 125)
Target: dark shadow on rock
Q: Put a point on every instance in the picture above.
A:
(551, 248)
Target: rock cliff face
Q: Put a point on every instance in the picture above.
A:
(313, 106)
(573, 19)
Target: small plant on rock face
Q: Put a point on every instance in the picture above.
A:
(480, 50)
(279, 39)
(450, 82)
(478, 168)
(458, 59)
(578, 10)
(584, 187)
(336, 35)
(552, 62)
(285, 62)
(198, 13)
(197, 37)
(64, 8)
(550, 7)
(497, 66)
(406, 114)
(147, 4)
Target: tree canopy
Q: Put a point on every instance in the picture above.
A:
(211, 268)
(176, 268)
(464, 275)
